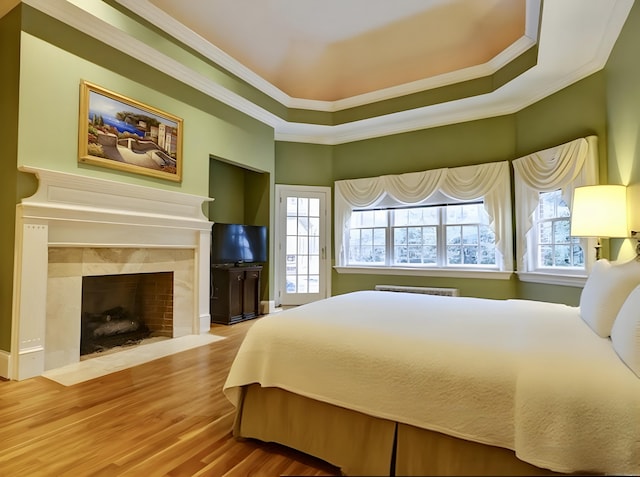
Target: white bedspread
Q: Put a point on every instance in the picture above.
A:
(528, 376)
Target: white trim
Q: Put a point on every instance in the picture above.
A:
(552, 279)
(69, 210)
(179, 31)
(426, 272)
(575, 41)
(281, 189)
(5, 364)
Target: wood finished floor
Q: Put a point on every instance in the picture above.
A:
(163, 418)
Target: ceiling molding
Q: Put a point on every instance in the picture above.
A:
(576, 38)
(180, 32)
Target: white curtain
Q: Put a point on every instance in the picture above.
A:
(564, 167)
(489, 182)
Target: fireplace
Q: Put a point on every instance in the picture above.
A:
(122, 310)
(75, 227)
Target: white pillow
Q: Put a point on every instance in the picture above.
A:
(605, 291)
(625, 334)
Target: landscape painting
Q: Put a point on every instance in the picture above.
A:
(124, 134)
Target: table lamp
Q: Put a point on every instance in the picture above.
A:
(599, 211)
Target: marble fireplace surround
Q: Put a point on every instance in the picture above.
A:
(75, 226)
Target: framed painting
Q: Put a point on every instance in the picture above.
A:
(125, 134)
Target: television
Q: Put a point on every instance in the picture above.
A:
(235, 244)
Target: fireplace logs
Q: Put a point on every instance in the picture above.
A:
(113, 327)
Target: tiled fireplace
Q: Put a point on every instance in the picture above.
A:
(76, 226)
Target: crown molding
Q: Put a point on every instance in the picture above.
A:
(576, 38)
(180, 32)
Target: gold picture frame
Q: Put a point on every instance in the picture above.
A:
(125, 134)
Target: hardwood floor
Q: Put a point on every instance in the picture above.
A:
(163, 418)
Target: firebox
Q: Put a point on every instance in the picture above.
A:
(124, 309)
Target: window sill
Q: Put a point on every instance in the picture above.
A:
(552, 279)
(427, 272)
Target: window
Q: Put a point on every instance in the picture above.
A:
(555, 248)
(544, 183)
(400, 222)
(430, 236)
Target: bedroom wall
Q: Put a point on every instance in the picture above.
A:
(576, 111)
(9, 84)
(45, 103)
(623, 115)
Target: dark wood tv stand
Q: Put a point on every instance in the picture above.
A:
(235, 293)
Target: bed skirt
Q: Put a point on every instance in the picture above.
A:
(360, 444)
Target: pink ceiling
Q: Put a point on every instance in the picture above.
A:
(337, 49)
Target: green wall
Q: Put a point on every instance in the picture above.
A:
(9, 84)
(44, 62)
(623, 115)
(576, 111)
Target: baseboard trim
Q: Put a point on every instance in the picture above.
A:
(267, 307)
(5, 364)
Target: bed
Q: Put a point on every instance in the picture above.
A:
(388, 383)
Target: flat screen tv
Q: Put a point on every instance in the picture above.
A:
(235, 244)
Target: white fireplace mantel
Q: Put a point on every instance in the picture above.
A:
(70, 210)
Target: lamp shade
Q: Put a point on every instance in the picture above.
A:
(599, 211)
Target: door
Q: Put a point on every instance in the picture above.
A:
(303, 234)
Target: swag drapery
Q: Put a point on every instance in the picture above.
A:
(488, 182)
(564, 167)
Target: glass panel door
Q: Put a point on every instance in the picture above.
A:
(302, 245)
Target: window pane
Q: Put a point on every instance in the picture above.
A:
(401, 217)
(303, 245)
(292, 206)
(366, 237)
(454, 234)
(356, 219)
(470, 234)
(454, 255)
(488, 237)
(415, 217)
(430, 235)
(303, 206)
(380, 218)
(314, 207)
(314, 264)
(292, 226)
(487, 255)
(367, 218)
(415, 235)
(547, 206)
(399, 236)
(379, 237)
(545, 233)
(314, 227)
(562, 256)
(430, 254)
(454, 214)
(546, 256)
(470, 254)
(563, 209)
(578, 254)
(292, 245)
(561, 231)
(314, 245)
(314, 284)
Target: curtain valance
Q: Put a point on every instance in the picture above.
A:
(489, 182)
(564, 167)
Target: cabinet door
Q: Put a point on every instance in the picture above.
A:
(236, 292)
(251, 300)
